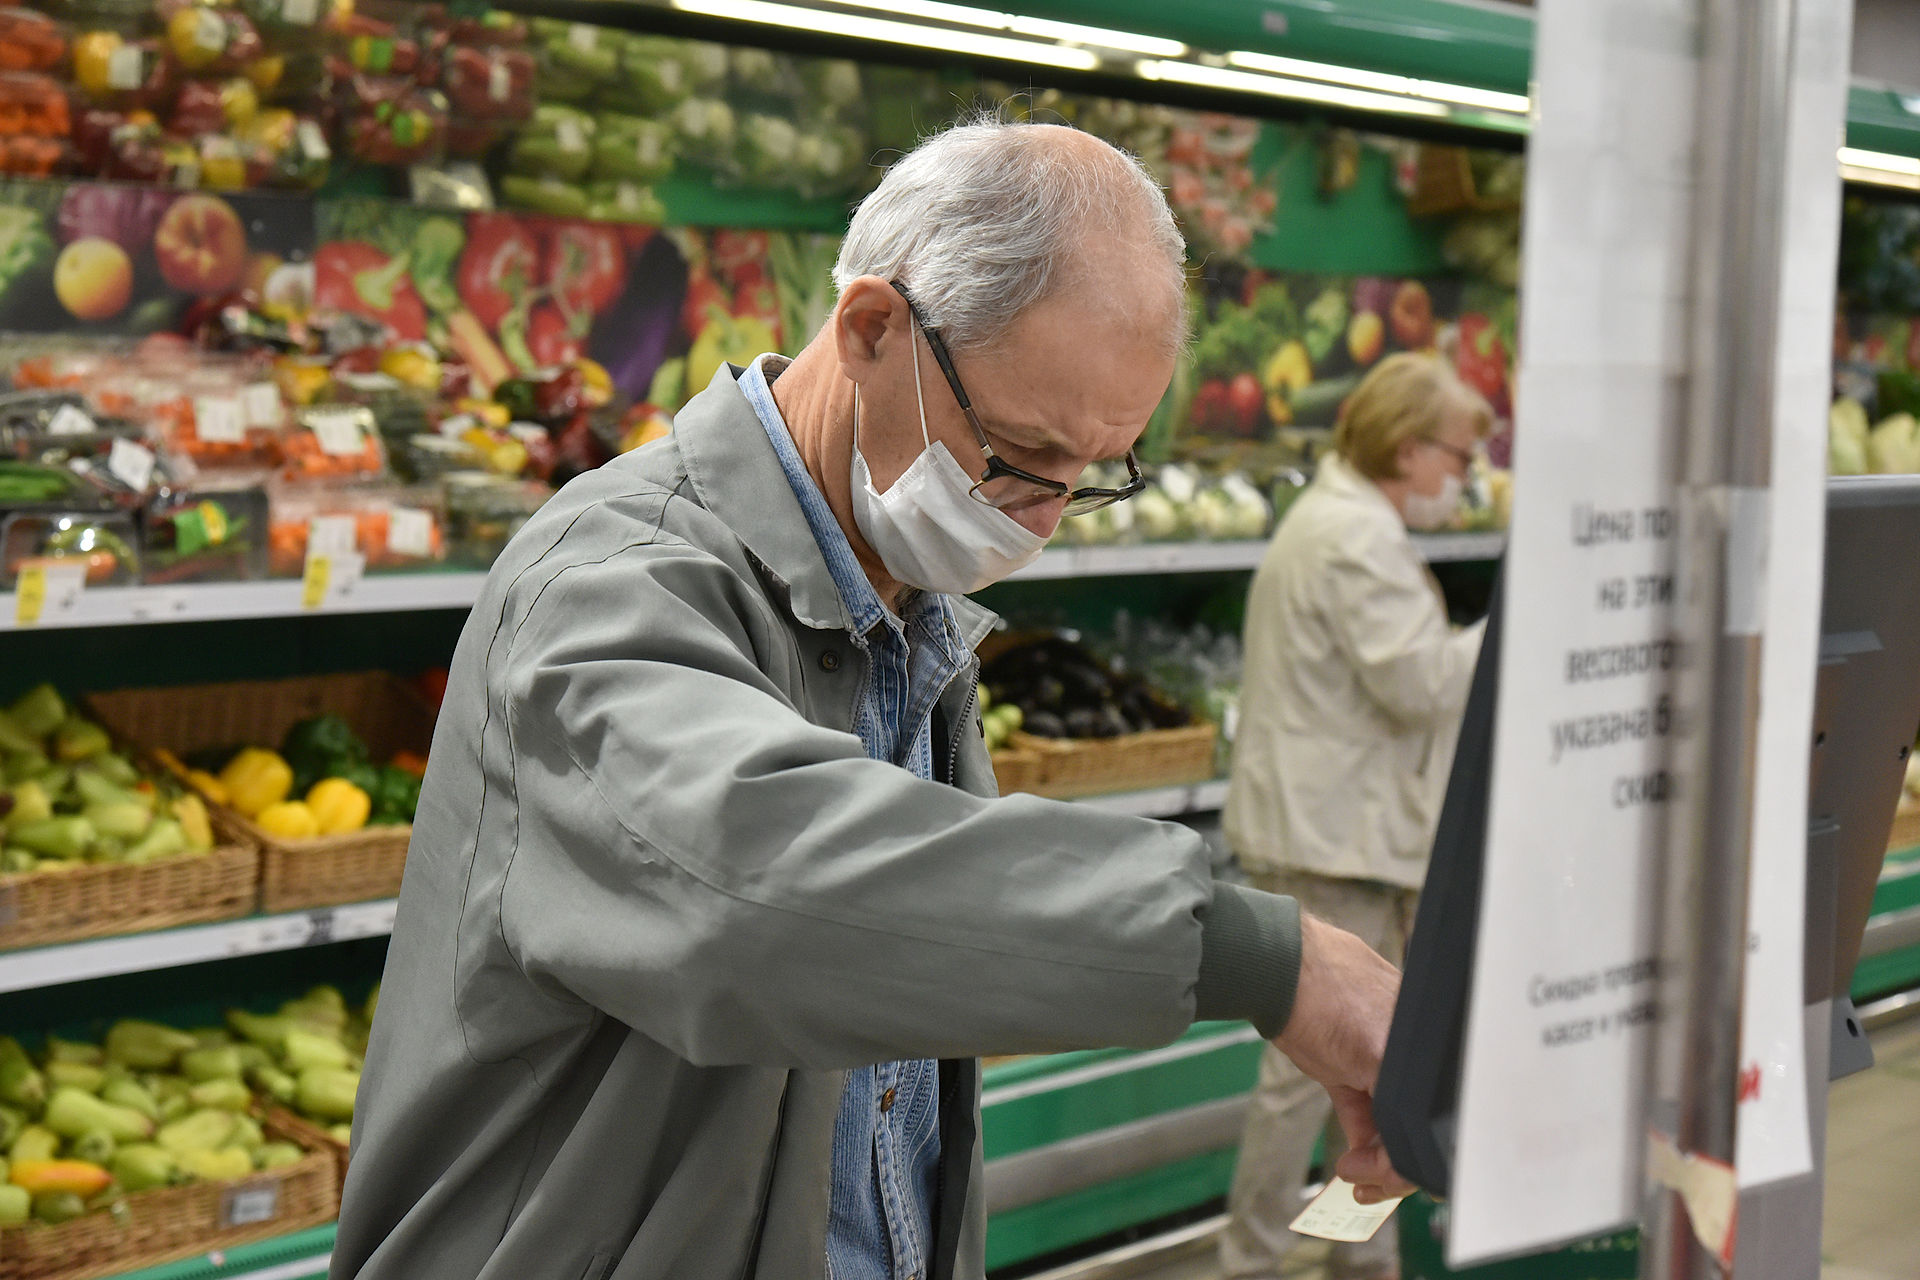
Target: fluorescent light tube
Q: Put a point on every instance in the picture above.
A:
(1438, 90)
(847, 24)
(1885, 161)
(1279, 87)
(1099, 37)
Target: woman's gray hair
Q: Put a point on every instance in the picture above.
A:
(987, 218)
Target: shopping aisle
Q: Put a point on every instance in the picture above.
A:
(1873, 1176)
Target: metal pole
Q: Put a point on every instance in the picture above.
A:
(1738, 238)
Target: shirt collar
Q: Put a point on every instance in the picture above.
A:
(863, 603)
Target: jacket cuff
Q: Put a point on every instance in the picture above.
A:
(1249, 958)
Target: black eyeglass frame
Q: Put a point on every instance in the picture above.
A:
(1079, 501)
(1465, 457)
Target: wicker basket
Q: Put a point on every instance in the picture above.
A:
(1443, 183)
(1016, 770)
(1072, 767)
(312, 1137)
(294, 874)
(38, 907)
(172, 1223)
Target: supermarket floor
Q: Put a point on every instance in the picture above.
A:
(1873, 1176)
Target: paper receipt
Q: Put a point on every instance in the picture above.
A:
(1334, 1215)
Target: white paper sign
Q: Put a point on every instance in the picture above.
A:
(125, 67)
(410, 532)
(262, 404)
(1553, 1097)
(220, 420)
(69, 420)
(338, 433)
(330, 535)
(132, 463)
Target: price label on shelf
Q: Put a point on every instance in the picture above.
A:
(124, 66)
(249, 1203)
(338, 433)
(220, 420)
(330, 535)
(330, 578)
(131, 463)
(47, 589)
(410, 532)
(71, 420)
(261, 401)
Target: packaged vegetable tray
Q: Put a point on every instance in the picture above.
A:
(171, 1223)
(295, 874)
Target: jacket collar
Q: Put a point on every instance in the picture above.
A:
(737, 476)
(1340, 479)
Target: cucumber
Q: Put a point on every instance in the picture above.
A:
(1318, 403)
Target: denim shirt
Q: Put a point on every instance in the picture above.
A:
(886, 1142)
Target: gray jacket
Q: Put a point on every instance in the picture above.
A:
(659, 900)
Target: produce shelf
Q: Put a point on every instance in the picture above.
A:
(34, 967)
(402, 593)
(212, 602)
(1164, 802)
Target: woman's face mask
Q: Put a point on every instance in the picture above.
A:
(927, 528)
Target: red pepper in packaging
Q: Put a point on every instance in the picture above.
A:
(30, 41)
(389, 121)
(488, 84)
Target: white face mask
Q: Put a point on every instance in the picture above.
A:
(927, 528)
(1434, 510)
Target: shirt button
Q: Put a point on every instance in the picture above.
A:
(830, 661)
(886, 1100)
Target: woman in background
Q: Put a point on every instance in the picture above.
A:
(1350, 705)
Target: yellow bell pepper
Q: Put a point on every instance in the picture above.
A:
(289, 819)
(412, 366)
(338, 806)
(256, 779)
(209, 786)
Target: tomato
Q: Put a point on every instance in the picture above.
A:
(1481, 359)
(1245, 402)
(586, 266)
(550, 339)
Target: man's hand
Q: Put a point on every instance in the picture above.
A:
(1336, 1034)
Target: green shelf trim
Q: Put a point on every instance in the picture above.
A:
(1024, 1069)
(1028, 1232)
(315, 1243)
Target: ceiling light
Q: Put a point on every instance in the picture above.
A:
(1438, 90)
(1884, 161)
(859, 28)
(1099, 37)
(1279, 87)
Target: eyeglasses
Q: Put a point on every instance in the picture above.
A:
(1006, 485)
(1465, 457)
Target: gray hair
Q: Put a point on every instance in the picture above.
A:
(987, 218)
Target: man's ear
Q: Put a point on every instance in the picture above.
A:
(867, 318)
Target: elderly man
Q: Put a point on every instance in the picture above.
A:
(710, 906)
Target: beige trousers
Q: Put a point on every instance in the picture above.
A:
(1289, 1111)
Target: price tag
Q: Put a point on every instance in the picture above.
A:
(313, 587)
(338, 434)
(124, 66)
(410, 532)
(220, 420)
(330, 536)
(131, 463)
(499, 81)
(71, 421)
(47, 589)
(320, 927)
(300, 13)
(249, 1203)
(583, 37)
(262, 403)
(567, 133)
(313, 140)
(210, 32)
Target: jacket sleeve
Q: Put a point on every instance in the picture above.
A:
(1386, 618)
(701, 862)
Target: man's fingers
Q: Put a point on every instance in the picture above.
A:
(1372, 1174)
(1354, 1110)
